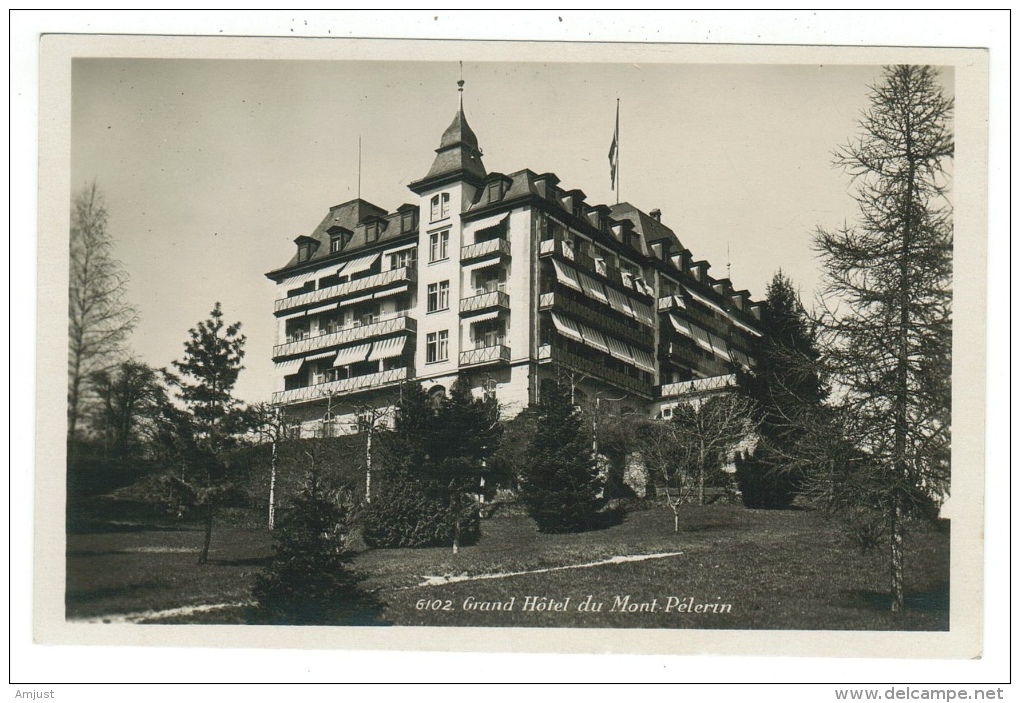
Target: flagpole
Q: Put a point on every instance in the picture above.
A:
(617, 151)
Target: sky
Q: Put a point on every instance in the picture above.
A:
(211, 168)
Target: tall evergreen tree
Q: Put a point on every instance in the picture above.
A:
(212, 419)
(561, 485)
(887, 297)
(787, 389)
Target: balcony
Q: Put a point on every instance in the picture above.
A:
(583, 262)
(379, 280)
(345, 335)
(492, 299)
(697, 385)
(480, 250)
(595, 316)
(348, 385)
(547, 352)
(496, 354)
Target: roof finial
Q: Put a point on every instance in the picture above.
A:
(460, 86)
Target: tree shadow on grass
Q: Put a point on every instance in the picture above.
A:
(935, 601)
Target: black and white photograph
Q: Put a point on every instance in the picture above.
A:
(493, 346)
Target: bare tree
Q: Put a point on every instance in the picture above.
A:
(706, 431)
(99, 316)
(887, 301)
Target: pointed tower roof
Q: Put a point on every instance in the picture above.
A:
(458, 156)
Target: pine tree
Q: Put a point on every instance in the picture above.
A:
(787, 389)
(561, 486)
(887, 296)
(201, 434)
(310, 580)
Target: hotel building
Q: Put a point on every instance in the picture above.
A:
(510, 279)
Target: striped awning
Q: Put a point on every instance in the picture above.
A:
(593, 338)
(567, 327)
(320, 357)
(567, 276)
(472, 318)
(746, 328)
(387, 348)
(643, 360)
(592, 288)
(390, 291)
(359, 265)
(719, 347)
(681, 326)
(643, 312)
(322, 308)
(300, 279)
(701, 337)
(704, 301)
(741, 358)
(352, 355)
(286, 368)
(620, 350)
(488, 222)
(479, 265)
(353, 301)
(619, 302)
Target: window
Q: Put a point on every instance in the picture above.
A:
(439, 296)
(407, 221)
(437, 346)
(372, 232)
(335, 243)
(404, 259)
(440, 206)
(305, 250)
(495, 191)
(439, 245)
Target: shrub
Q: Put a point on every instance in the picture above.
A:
(310, 581)
(405, 513)
(763, 486)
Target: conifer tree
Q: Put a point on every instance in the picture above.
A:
(887, 297)
(561, 485)
(787, 388)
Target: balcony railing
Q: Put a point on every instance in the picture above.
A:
(498, 353)
(594, 369)
(407, 273)
(347, 385)
(478, 250)
(593, 315)
(496, 298)
(588, 264)
(698, 385)
(345, 335)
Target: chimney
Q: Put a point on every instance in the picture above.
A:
(656, 215)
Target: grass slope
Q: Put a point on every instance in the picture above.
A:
(775, 570)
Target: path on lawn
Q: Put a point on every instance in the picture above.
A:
(183, 611)
(442, 580)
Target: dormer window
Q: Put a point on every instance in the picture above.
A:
(407, 222)
(305, 248)
(339, 238)
(372, 232)
(440, 206)
(495, 191)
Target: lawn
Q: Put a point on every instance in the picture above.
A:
(737, 568)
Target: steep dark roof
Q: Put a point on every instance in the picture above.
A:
(351, 216)
(458, 156)
(647, 227)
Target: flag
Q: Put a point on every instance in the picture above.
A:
(613, 150)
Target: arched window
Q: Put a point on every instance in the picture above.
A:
(440, 206)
